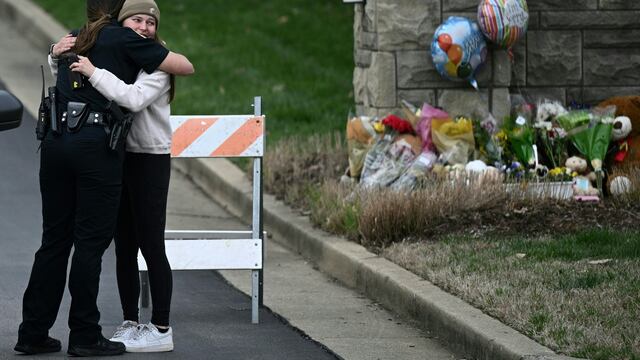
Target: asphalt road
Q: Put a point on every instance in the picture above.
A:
(211, 319)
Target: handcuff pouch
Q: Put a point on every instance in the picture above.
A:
(77, 113)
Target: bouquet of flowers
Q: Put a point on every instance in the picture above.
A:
(519, 133)
(453, 139)
(590, 132)
(521, 139)
(484, 132)
(360, 136)
(424, 127)
(410, 179)
(552, 137)
(389, 156)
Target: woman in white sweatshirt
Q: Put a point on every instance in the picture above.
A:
(147, 168)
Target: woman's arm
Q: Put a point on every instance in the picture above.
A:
(135, 97)
(53, 65)
(176, 64)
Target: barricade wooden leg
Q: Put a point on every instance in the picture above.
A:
(144, 289)
(255, 296)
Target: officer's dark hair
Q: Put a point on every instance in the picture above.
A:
(99, 15)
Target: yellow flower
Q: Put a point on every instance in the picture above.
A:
(378, 127)
(501, 135)
(556, 172)
(458, 127)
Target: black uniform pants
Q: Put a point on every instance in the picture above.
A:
(80, 183)
(141, 224)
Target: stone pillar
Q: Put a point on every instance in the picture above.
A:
(575, 50)
(392, 53)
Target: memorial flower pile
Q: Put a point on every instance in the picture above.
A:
(533, 144)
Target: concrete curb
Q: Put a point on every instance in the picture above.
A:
(465, 328)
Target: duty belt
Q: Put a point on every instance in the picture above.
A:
(94, 118)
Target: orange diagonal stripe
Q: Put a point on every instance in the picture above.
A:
(188, 132)
(240, 140)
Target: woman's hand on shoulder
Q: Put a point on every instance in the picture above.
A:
(83, 66)
(65, 44)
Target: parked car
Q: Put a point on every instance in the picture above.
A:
(10, 111)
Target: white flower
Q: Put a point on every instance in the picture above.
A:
(547, 125)
(548, 110)
(560, 132)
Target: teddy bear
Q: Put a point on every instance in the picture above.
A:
(629, 106)
(577, 167)
(617, 157)
(620, 138)
(626, 106)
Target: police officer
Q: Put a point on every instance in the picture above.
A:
(80, 183)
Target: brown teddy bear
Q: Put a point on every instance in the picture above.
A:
(626, 106)
(629, 106)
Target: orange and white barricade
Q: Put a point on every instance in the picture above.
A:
(219, 136)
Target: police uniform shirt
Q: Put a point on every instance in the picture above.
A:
(118, 49)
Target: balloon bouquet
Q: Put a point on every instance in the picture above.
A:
(459, 48)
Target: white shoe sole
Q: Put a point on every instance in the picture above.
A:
(148, 349)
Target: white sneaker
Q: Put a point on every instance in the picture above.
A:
(148, 338)
(125, 331)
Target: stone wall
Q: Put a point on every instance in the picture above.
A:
(574, 50)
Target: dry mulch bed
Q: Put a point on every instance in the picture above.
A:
(548, 217)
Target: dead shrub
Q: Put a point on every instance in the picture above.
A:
(388, 216)
(296, 164)
(335, 208)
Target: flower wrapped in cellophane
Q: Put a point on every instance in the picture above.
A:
(521, 139)
(360, 136)
(391, 154)
(484, 130)
(552, 138)
(590, 132)
(453, 139)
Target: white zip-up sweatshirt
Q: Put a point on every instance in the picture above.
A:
(147, 98)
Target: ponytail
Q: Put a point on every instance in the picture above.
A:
(89, 34)
(99, 15)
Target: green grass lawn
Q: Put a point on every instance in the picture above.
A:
(552, 289)
(296, 54)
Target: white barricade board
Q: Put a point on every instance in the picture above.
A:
(205, 254)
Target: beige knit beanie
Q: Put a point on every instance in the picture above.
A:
(133, 7)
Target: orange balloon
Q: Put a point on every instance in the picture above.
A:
(455, 54)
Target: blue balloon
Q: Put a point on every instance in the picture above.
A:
(459, 49)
